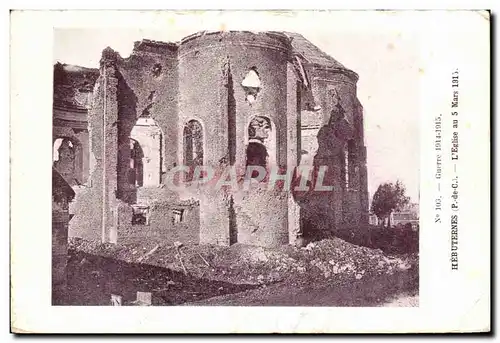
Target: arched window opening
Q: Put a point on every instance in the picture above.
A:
(148, 139)
(136, 169)
(67, 160)
(193, 144)
(261, 142)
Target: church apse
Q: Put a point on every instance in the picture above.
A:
(225, 101)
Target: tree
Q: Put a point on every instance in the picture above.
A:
(387, 198)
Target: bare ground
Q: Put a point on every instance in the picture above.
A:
(398, 290)
(92, 279)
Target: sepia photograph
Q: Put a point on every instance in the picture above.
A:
(233, 167)
(262, 171)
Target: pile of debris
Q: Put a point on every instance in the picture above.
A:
(333, 260)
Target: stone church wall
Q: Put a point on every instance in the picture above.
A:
(204, 102)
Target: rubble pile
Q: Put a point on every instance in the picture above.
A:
(332, 260)
(333, 257)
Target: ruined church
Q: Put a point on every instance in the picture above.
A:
(217, 99)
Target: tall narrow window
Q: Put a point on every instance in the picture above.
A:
(177, 216)
(193, 144)
(349, 170)
(346, 166)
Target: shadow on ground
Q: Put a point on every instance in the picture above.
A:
(370, 291)
(92, 279)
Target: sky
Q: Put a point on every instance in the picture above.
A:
(376, 45)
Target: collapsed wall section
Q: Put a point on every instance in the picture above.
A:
(332, 136)
(148, 141)
(95, 204)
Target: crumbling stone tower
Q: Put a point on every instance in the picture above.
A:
(222, 99)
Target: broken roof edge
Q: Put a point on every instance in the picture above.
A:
(144, 44)
(345, 71)
(309, 53)
(309, 68)
(74, 68)
(314, 56)
(70, 80)
(225, 32)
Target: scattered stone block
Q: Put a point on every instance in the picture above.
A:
(116, 300)
(144, 299)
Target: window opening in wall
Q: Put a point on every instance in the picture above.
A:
(67, 158)
(140, 215)
(177, 216)
(139, 219)
(352, 170)
(349, 164)
(346, 166)
(257, 154)
(251, 85)
(162, 159)
(259, 141)
(58, 144)
(193, 138)
(193, 145)
(146, 153)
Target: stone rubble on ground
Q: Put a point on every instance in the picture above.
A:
(329, 259)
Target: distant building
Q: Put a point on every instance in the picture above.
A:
(409, 214)
(373, 219)
(401, 219)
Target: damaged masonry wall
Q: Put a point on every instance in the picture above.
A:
(221, 99)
